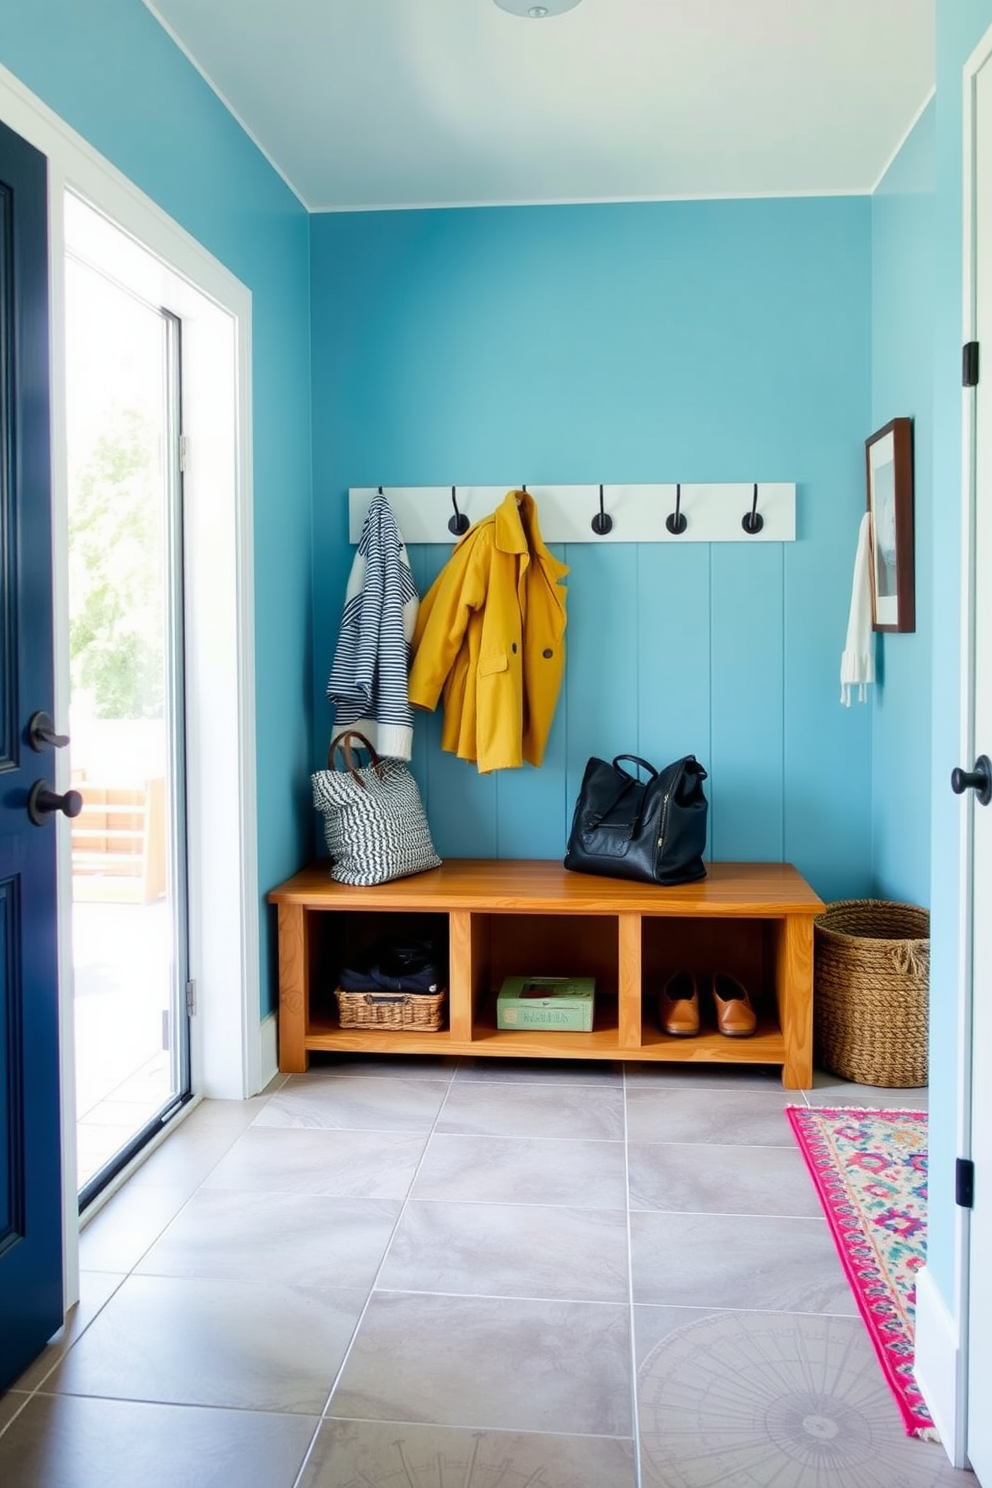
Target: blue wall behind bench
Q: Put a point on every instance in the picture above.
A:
(703, 341)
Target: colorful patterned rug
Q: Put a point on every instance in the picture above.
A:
(870, 1171)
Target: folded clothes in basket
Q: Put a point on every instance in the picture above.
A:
(393, 964)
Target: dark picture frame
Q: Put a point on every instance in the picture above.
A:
(889, 476)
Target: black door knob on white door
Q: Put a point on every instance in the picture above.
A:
(978, 779)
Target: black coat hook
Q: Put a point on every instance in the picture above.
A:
(459, 523)
(602, 522)
(675, 521)
(380, 490)
(753, 521)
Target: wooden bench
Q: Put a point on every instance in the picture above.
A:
(532, 917)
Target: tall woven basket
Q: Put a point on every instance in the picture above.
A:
(871, 981)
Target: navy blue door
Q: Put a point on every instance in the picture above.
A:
(30, 1179)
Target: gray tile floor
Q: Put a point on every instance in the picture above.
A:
(429, 1274)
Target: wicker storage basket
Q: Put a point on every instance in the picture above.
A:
(871, 982)
(420, 1011)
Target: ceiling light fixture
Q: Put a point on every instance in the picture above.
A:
(536, 12)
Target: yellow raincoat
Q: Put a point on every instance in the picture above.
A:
(490, 638)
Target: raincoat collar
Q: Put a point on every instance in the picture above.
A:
(514, 518)
(517, 531)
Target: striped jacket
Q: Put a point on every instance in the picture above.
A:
(368, 680)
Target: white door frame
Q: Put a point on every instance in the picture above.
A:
(942, 1341)
(980, 61)
(227, 1055)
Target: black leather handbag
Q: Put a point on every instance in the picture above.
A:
(653, 829)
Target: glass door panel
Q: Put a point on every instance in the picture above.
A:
(126, 708)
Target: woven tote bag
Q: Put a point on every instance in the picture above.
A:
(374, 821)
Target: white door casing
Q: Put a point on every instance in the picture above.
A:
(978, 486)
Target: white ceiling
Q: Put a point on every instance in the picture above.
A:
(398, 103)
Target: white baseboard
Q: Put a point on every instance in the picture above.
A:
(268, 1038)
(938, 1367)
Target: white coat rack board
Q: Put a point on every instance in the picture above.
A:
(638, 514)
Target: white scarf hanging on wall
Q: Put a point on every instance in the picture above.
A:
(857, 664)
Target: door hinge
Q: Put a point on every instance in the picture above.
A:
(964, 1183)
(191, 999)
(183, 452)
(969, 364)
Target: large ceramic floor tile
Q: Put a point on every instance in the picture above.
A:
(11, 1404)
(298, 1241)
(186, 1157)
(356, 1103)
(61, 1441)
(223, 1343)
(556, 1072)
(95, 1290)
(352, 1164)
(731, 1077)
(737, 1261)
(377, 1066)
(119, 1234)
(704, 1178)
(740, 1118)
(230, 1115)
(831, 1090)
(357, 1454)
(519, 1170)
(509, 1250)
(485, 1108)
(490, 1363)
(773, 1401)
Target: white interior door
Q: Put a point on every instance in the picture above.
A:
(980, 1273)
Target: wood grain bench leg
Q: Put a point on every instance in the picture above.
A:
(629, 989)
(462, 973)
(794, 985)
(294, 988)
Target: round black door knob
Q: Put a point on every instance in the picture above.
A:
(43, 801)
(979, 780)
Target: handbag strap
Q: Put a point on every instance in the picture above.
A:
(637, 761)
(343, 742)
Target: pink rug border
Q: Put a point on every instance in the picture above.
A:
(917, 1422)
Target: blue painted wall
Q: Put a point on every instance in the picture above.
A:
(902, 385)
(960, 26)
(111, 72)
(707, 341)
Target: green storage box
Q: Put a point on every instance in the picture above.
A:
(564, 1004)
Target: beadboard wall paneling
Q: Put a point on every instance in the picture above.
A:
(749, 714)
(634, 343)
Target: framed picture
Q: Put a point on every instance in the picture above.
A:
(889, 466)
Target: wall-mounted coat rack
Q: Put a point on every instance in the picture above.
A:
(742, 512)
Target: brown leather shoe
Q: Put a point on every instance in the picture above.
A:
(735, 1015)
(678, 1005)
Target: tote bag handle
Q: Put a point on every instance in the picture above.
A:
(343, 742)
